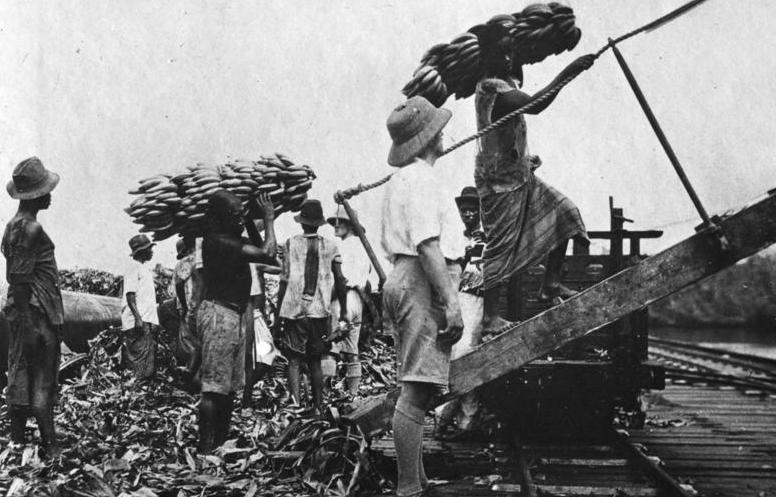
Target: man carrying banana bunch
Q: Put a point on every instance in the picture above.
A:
(220, 324)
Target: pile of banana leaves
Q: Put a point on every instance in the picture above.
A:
(123, 437)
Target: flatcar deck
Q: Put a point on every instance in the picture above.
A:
(716, 441)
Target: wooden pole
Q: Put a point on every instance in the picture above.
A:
(660, 135)
(340, 199)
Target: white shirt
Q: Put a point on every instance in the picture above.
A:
(415, 209)
(355, 262)
(139, 279)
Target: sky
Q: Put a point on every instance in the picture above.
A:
(109, 92)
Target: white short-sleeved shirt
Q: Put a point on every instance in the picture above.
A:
(415, 209)
(355, 262)
(139, 279)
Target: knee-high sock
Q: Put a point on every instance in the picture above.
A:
(408, 439)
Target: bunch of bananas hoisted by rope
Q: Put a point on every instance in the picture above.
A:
(454, 68)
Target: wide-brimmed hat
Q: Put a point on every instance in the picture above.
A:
(31, 180)
(412, 125)
(138, 243)
(468, 196)
(340, 215)
(311, 213)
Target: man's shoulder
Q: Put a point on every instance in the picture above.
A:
(24, 228)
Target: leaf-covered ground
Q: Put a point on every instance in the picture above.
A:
(122, 437)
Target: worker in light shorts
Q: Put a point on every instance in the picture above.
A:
(355, 268)
(260, 347)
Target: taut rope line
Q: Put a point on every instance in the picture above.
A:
(344, 195)
(361, 188)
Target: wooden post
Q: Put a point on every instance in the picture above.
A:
(660, 135)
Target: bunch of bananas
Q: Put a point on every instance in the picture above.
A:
(454, 68)
(168, 204)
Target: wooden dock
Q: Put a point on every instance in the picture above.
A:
(723, 441)
(712, 441)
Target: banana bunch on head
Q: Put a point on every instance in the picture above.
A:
(167, 204)
(454, 68)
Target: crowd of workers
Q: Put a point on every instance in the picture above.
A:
(439, 301)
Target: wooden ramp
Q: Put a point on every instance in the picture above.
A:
(747, 231)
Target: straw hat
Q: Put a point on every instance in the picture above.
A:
(31, 180)
(412, 125)
(339, 216)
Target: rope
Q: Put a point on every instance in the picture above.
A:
(349, 193)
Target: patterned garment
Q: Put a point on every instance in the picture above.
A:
(32, 373)
(140, 349)
(33, 262)
(523, 217)
(298, 302)
(223, 348)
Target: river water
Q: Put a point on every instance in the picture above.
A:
(744, 340)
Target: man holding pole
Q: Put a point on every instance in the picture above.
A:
(420, 299)
(355, 269)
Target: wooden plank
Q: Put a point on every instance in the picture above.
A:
(586, 462)
(749, 230)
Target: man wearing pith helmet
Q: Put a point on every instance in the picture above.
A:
(420, 300)
(34, 306)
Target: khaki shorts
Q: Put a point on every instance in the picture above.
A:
(414, 314)
(223, 348)
(305, 337)
(349, 344)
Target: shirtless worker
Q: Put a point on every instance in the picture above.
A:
(420, 299)
(220, 323)
(34, 306)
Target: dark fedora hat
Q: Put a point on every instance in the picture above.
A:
(468, 196)
(412, 125)
(31, 180)
(311, 213)
(138, 243)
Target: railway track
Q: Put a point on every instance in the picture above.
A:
(697, 363)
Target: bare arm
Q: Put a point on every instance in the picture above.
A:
(433, 263)
(262, 252)
(197, 288)
(281, 293)
(340, 285)
(132, 304)
(180, 292)
(513, 100)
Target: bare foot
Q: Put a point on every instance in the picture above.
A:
(496, 326)
(556, 294)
